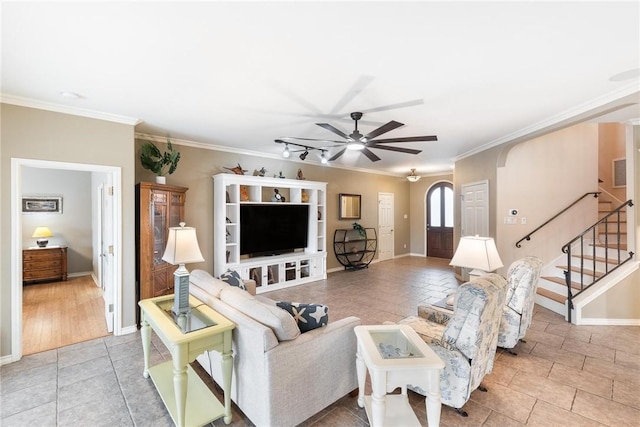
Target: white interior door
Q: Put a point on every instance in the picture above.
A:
(385, 226)
(475, 209)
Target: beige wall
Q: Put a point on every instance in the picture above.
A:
(72, 227)
(540, 178)
(37, 134)
(611, 146)
(198, 165)
(417, 215)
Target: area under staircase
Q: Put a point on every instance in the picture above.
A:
(590, 258)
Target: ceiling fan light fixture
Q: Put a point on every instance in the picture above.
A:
(286, 152)
(412, 177)
(355, 145)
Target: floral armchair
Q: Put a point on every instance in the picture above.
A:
(522, 282)
(465, 339)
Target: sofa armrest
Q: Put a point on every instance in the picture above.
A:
(435, 314)
(250, 284)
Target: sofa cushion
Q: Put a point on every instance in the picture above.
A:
(233, 278)
(307, 316)
(269, 315)
(207, 282)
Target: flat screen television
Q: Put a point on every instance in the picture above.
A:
(273, 229)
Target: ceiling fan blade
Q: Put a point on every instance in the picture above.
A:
(362, 82)
(394, 106)
(407, 139)
(370, 154)
(398, 149)
(311, 139)
(383, 129)
(328, 127)
(338, 154)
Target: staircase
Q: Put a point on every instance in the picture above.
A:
(587, 259)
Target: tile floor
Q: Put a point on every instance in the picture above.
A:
(565, 375)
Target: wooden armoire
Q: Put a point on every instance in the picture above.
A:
(158, 207)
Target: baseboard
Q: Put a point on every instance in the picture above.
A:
(80, 274)
(5, 360)
(127, 330)
(608, 322)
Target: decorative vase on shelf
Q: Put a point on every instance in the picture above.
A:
(161, 179)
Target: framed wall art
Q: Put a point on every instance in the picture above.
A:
(349, 206)
(42, 204)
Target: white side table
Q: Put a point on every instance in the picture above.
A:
(186, 397)
(395, 357)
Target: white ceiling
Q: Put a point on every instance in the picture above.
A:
(241, 74)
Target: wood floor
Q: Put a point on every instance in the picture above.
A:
(57, 314)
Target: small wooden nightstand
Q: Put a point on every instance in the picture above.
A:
(44, 264)
(186, 338)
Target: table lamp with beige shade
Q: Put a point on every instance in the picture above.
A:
(478, 254)
(182, 248)
(42, 234)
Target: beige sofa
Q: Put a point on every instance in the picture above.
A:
(280, 377)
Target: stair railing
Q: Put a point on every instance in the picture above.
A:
(528, 236)
(591, 235)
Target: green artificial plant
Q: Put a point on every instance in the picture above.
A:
(156, 162)
(360, 229)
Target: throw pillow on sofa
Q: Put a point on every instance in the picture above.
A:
(280, 322)
(307, 316)
(233, 278)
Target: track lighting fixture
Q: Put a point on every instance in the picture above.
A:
(323, 157)
(304, 151)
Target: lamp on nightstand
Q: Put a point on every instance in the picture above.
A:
(42, 233)
(478, 254)
(182, 248)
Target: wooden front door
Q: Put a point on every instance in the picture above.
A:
(440, 221)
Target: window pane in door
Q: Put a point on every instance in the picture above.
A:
(434, 208)
(448, 207)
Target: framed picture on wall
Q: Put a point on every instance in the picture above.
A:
(42, 204)
(619, 173)
(349, 205)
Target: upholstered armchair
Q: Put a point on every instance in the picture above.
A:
(465, 339)
(522, 281)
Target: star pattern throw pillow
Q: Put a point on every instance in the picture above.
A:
(307, 316)
(233, 279)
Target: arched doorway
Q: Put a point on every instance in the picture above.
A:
(440, 220)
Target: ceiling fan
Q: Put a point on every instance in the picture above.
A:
(358, 141)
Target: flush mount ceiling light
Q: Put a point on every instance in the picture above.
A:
(633, 73)
(412, 177)
(70, 95)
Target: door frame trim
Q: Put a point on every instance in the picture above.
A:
(17, 165)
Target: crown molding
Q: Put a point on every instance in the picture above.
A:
(235, 150)
(65, 109)
(621, 98)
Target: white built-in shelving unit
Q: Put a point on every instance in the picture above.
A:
(269, 272)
